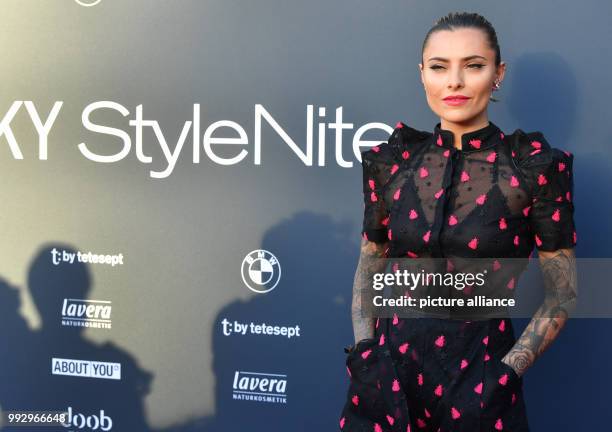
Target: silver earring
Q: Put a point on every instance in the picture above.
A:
(496, 85)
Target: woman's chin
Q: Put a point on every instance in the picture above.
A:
(457, 115)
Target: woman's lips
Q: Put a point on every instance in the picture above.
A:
(455, 101)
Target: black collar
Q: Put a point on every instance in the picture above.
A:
(473, 141)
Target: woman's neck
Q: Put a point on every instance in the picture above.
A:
(458, 129)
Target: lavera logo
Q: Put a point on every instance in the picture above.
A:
(215, 141)
(260, 387)
(86, 313)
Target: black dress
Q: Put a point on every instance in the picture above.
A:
(499, 196)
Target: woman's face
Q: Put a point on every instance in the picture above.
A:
(459, 63)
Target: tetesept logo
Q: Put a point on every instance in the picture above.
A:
(88, 3)
(260, 271)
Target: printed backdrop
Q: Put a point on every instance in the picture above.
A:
(182, 199)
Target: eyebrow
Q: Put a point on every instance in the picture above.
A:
(464, 58)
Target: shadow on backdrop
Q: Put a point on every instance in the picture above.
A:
(27, 381)
(317, 257)
(544, 96)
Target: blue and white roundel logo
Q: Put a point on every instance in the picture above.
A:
(260, 271)
(88, 3)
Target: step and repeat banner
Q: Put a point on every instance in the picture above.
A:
(182, 200)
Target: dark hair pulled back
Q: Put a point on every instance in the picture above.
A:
(456, 20)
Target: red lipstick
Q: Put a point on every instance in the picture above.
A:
(455, 100)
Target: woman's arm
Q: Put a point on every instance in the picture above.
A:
(369, 263)
(559, 274)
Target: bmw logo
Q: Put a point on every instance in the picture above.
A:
(260, 271)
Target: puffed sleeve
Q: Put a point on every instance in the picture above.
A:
(375, 174)
(549, 172)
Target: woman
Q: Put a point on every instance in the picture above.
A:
(465, 190)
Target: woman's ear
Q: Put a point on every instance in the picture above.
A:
(421, 69)
(501, 71)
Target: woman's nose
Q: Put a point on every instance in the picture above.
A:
(455, 79)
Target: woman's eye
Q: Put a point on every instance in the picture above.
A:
(473, 65)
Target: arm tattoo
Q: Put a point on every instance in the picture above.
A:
(363, 327)
(560, 293)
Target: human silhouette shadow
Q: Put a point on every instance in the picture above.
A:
(544, 96)
(32, 386)
(317, 256)
(15, 333)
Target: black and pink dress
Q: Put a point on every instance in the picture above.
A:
(499, 196)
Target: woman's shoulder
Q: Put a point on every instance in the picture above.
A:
(402, 141)
(533, 149)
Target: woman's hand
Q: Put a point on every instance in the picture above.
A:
(560, 289)
(519, 373)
